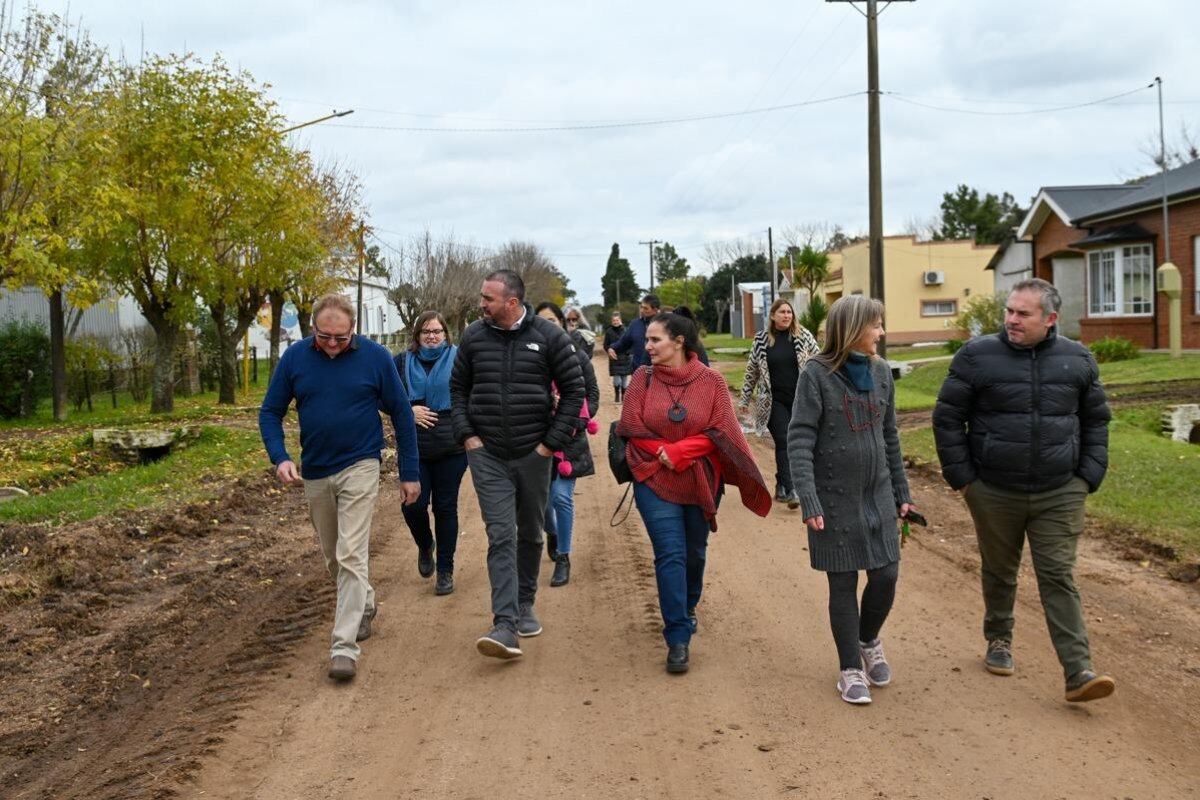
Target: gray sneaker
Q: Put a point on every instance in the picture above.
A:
(527, 621)
(853, 687)
(364, 627)
(878, 671)
(499, 643)
(999, 658)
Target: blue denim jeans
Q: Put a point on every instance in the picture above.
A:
(560, 512)
(679, 535)
(440, 480)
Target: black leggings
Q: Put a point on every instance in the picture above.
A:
(777, 424)
(849, 627)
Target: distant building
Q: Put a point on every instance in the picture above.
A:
(926, 284)
(107, 318)
(1100, 245)
(748, 314)
(1012, 263)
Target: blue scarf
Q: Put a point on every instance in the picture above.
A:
(432, 387)
(858, 370)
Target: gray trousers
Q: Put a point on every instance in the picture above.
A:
(512, 497)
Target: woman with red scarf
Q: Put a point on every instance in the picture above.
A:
(684, 444)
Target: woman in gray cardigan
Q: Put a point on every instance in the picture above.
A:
(849, 475)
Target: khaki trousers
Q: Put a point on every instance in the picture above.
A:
(341, 507)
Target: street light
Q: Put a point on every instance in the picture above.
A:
(334, 115)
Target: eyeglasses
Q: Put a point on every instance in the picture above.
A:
(329, 337)
(433, 331)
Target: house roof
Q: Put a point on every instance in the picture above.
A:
(1002, 248)
(1181, 181)
(1132, 232)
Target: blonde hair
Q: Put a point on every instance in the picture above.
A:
(794, 330)
(849, 318)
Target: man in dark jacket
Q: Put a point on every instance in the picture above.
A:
(503, 414)
(1021, 425)
(621, 367)
(633, 341)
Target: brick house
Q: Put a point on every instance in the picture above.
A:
(1101, 244)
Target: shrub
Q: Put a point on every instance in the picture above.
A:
(24, 367)
(1114, 348)
(814, 316)
(983, 314)
(954, 345)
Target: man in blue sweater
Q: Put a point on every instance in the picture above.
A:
(340, 382)
(633, 340)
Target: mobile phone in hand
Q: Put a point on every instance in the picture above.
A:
(917, 518)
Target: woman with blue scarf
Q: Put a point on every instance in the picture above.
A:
(425, 370)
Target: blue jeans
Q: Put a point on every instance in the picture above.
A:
(560, 512)
(440, 480)
(679, 535)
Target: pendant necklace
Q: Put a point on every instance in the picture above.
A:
(677, 412)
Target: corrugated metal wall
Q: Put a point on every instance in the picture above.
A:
(106, 318)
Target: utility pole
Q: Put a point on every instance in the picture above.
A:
(874, 156)
(771, 261)
(1162, 143)
(651, 243)
(362, 262)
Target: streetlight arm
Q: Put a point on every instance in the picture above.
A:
(334, 115)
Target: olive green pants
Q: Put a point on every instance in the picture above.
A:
(1052, 521)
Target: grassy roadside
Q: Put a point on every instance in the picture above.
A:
(1147, 476)
(220, 454)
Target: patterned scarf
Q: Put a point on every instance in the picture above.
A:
(703, 393)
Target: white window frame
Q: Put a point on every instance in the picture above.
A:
(953, 312)
(1118, 259)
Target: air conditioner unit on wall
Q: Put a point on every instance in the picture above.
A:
(934, 277)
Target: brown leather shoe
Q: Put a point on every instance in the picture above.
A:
(342, 668)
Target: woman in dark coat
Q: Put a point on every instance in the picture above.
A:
(572, 463)
(620, 367)
(425, 371)
(849, 475)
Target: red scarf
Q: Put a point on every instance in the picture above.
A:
(702, 391)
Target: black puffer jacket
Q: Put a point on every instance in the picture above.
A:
(500, 387)
(579, 451)
(437, 442)
(622, 365)
(1024, 419)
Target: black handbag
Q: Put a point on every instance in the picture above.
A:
(617, 462)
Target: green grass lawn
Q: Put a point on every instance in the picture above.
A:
(1148, 487)
(193, 473)
(130, 412)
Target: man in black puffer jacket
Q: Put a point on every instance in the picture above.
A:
(503, 414)
(1021, 425)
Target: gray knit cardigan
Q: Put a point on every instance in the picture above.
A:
(847, 467)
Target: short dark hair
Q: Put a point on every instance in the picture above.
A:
(652, 301)
(1051, 299)
(513, 285)
(554, 309)
(678, 325)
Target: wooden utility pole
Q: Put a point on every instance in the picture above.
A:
(651, 243)
(771, 262)
(874, 155)
(362, 262)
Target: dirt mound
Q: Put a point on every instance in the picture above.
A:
(129, 641)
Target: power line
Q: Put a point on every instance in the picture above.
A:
(602, 125)
(1016, 113)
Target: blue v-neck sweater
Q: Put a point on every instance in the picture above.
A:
(338, 401)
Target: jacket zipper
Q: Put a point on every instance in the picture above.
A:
(1036, 388)
(506, 372)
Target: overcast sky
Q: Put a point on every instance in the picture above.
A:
(448, 64)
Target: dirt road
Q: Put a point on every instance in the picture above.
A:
(240, 706)
(589, 711)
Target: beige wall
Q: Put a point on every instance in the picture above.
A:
(905, 260)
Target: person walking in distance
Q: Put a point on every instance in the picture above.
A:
(849, 476)
(633, 341)
(619, 367)
(776, 358)
(570, 464)
(340, 382)
(425, 371)
(684, 444)
(1021, 425)
(504, 415)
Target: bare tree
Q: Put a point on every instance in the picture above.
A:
(543, 280)
(923, 229)
(717, 254)
(1184, 149)
(440, 275)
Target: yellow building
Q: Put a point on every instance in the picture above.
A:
(925, 287)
